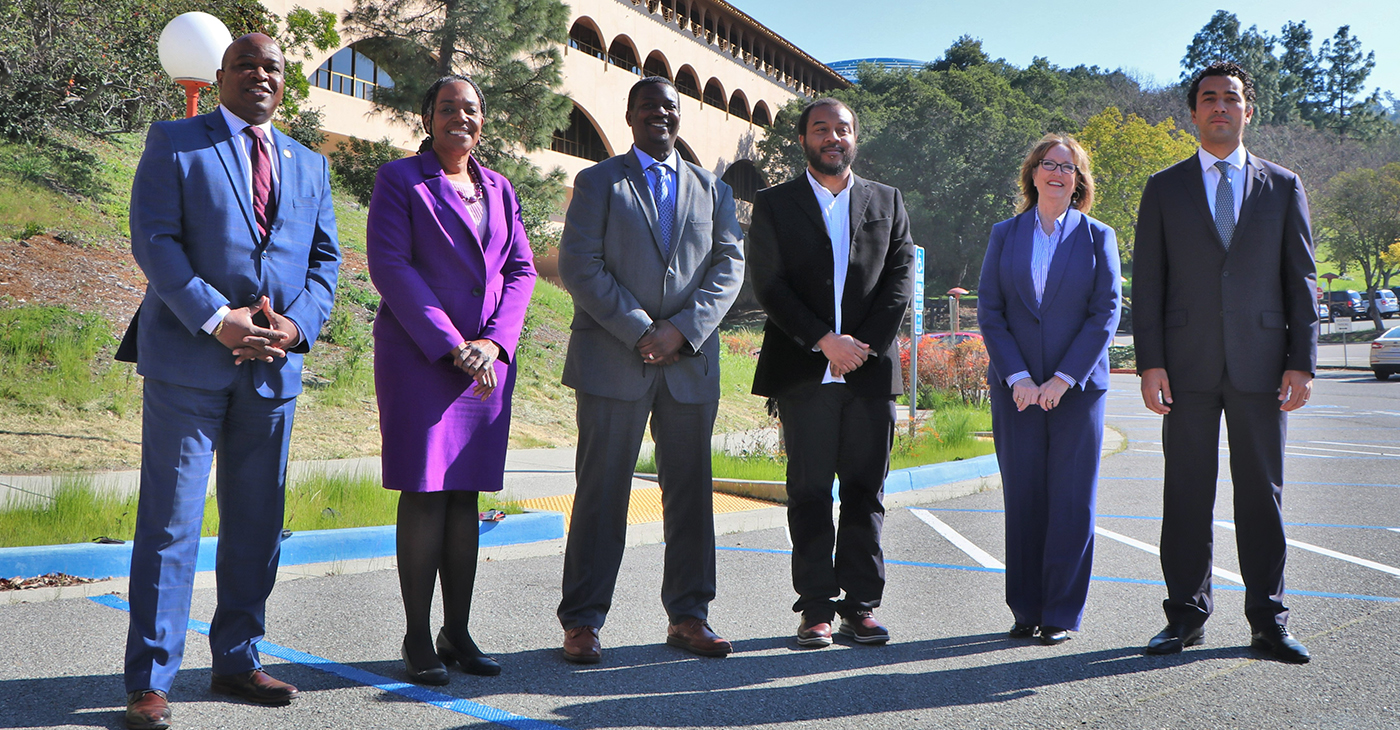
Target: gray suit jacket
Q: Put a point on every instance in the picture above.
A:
(1201, 310)
(611, 261)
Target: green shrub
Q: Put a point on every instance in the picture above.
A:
(356, 162)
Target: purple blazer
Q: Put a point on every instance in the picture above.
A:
(441, 284)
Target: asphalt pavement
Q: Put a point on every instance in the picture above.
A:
(949, 664)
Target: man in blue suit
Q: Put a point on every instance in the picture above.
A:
(231, 223)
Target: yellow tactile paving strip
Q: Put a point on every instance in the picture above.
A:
(645, 505)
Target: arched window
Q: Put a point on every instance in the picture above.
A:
(621, 54)
(738, 105)
(581, 139)
(745, 179)
(584, 37)
(714, 94)
(656, 65)
(687, 83)
(761, 116)
(351, 72)
(686, 153)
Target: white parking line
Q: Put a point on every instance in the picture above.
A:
(1393, 529)
(962, 543)
(1110, 534)
(1329, 553)
(788, 534)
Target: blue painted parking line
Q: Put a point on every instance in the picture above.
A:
(1096, 578)
(370, 679)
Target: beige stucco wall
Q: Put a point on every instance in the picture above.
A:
(599, 88)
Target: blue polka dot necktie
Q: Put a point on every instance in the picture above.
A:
(1224, 204)
(665, 205)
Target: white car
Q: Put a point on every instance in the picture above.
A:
(1385, 354)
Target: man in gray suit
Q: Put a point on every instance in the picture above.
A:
(1224, 320)
(652, 255)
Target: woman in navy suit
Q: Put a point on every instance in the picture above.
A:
(1048, 307)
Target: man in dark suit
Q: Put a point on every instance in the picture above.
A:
(832, 265)
(652, 255)
(231, 222)
(1224, 321)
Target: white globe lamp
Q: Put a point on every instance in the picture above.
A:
(191, 49)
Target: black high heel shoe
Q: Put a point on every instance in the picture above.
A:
(435, 676)
(471, 661)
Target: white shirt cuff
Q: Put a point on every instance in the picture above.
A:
(1011, 381)
(1070, 381)
(214, 321)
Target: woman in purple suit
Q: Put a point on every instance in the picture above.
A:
(449, 256)
(1048, 305)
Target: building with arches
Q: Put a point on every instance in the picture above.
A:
(733, 74)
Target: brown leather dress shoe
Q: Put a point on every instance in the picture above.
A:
(256, 686)
(696, 637)
(863, 628)
(814, 633)
(581, 645)
(147, 710)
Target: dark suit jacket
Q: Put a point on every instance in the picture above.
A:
(791, 267)
(1069, 331)
(1200, 310)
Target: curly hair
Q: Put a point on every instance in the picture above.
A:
(1221, 68)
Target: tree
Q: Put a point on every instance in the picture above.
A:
(509, 47)
(1123, 153)
(1299, 75)
(1340, 106)
(1359, 221)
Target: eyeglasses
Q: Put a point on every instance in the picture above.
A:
(1051, 166)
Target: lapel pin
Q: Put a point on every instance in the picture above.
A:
(287, 154)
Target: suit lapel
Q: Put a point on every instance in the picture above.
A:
(1022, 258)
(1195, 183)
(1074, 229)
(637, 178)
(688, 188)
(495, 207)
(1253, 183)
(224, 144)
(288, 177)
(806, 200)
(441, 187)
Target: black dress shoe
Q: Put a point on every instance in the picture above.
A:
(1021, 631)
(1276, 640)
(1174, 638)
(435, 675)
(1052, 635)
(471, 659)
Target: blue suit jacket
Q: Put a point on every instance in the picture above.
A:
(1070, 330)
(194, 236)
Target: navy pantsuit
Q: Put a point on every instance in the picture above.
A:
(1049, 459)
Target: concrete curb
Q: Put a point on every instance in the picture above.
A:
(301, 548)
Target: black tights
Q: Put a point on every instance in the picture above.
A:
(438, 536)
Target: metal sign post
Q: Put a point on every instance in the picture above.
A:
(1343, 326)
(916, 333)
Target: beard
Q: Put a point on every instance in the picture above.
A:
(814, 158)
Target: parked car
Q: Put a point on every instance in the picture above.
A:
(1346, 303)
(1385, 354)
(1324, 313)
(1389, 304)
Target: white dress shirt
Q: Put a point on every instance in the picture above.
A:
(836, 213)
(1043, 247)
(1211, 175)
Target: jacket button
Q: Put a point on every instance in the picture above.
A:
(828, 282)
(477, 291)
(1225, 273)
(252, 298)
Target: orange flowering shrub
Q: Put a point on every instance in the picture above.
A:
(959, 370)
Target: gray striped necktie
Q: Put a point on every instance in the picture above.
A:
(1224, 204)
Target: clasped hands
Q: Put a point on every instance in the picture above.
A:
(478, 359)
(661, 344)
(248, 340)
(844, 353)
(1047, 395)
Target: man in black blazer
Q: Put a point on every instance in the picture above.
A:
(1224, 320)
(831, 236)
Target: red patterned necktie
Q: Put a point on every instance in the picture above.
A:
(262, 178)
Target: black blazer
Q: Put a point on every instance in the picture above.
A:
(1202, 311)
(790, 266)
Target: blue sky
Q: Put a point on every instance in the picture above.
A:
(1145, 37)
